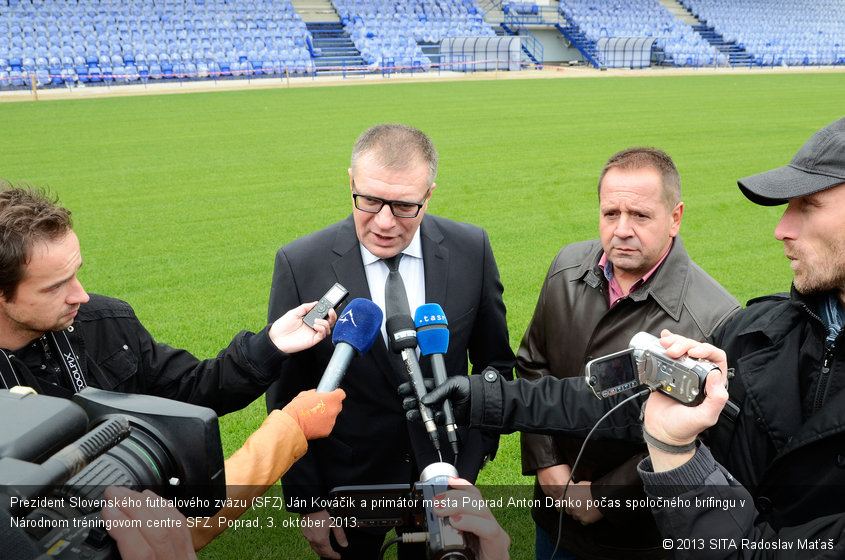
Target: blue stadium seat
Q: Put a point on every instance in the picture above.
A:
(56, 75)
(16, 77)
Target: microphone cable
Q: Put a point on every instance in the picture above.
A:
(644, 392)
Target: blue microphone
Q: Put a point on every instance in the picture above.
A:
(433, 341)
(355, 333)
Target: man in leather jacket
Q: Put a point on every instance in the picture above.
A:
(596, 296)
(782, 435)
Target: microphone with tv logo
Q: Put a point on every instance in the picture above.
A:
(402, 339)
(354, 333)
(433, 341)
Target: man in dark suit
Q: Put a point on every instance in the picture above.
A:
(450, 263)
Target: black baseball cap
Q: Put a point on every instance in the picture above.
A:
(818, 165)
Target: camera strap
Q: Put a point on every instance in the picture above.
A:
(7, 371)
(67, 358)
(60, 347)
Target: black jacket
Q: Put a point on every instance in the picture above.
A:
(784, 448)
(117, 353)
(706, 513)
(787, 444)
(372, 443)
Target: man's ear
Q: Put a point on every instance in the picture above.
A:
(677, 214)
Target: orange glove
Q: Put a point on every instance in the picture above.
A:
(315, 412)
(252, 469)
(269, 452)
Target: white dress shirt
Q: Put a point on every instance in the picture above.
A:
(410, 268)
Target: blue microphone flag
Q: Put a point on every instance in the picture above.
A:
(359, 325)
(432, 330)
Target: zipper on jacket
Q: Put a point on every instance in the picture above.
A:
(824, 374)
(824, 379)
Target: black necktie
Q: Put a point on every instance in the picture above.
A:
(395, 298)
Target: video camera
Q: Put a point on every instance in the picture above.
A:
(645, 363)
(399, 505)
(57, 456)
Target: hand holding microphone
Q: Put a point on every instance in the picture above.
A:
(402, 338)
(290, 334)
(355, 333)
(433, 340)
(457, 389)
(314, 412)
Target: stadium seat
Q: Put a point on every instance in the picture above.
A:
(16, 77)
(56, 75)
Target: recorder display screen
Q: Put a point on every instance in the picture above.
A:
(612, 374)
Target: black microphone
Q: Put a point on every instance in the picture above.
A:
(402, 339)
(433, 339)
(355, 332)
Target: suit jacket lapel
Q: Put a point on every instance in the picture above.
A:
(350, 268)
(435, 262)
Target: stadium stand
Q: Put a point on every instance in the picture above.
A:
(92, 40)
(383, 30)
(642, 18)
(776, 32)
(66, 42)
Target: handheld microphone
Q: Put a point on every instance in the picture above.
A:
(402, 338)
(433, 340)
(355, 333)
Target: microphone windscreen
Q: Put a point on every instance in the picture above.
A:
(359, 325)
(401, 333)
(432, 332)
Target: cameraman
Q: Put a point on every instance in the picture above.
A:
(783, 430)
(58, 339)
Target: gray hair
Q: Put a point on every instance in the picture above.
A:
(397, 146)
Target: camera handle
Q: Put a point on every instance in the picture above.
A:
(72, 458)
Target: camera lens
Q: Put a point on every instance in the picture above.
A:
(139, 461)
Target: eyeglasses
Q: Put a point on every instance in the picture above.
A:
(398, 208)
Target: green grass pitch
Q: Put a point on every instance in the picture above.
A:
(182, 200)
